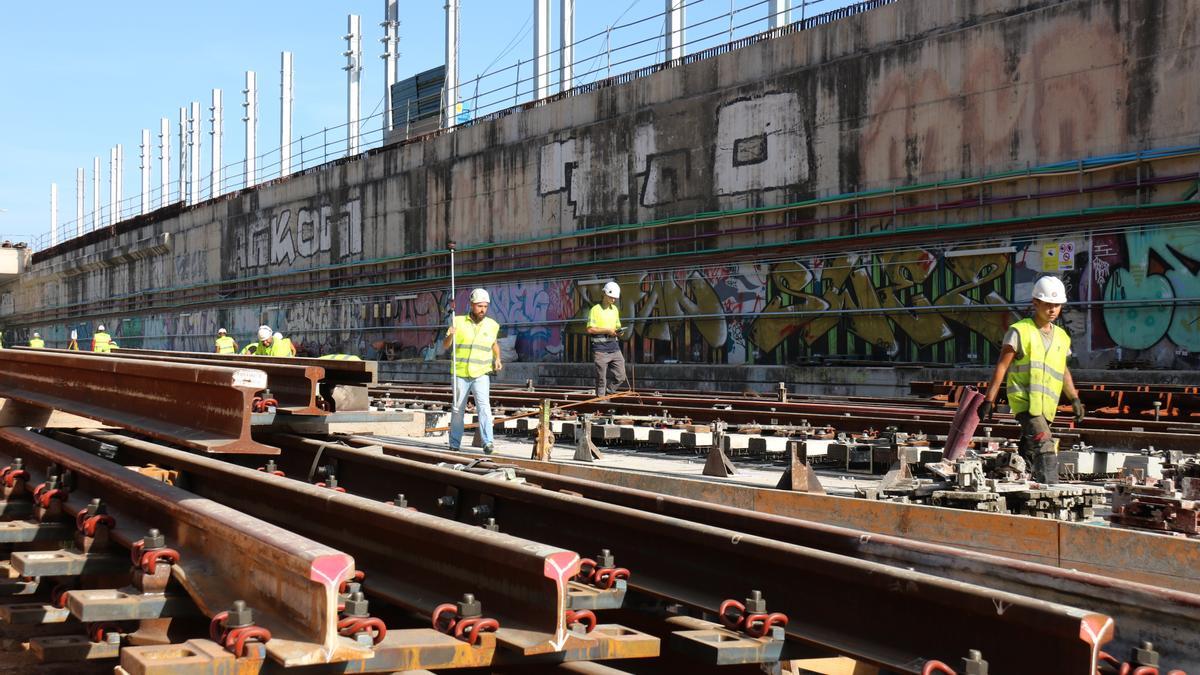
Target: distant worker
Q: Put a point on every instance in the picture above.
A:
(604, 327)
(476, 355)
(263, 346)
(1034, 355)
(281, 346)
(225, 344)
(36, 342)
(102, 343)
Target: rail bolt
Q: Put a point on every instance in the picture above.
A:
(491, 525)
(240, 616)
(447, 501)
(469, 607)
(400, 501)
(605, 559)
(356, 605)
(1145, 655)
(155, 540)
(756, 603)
(974, 664)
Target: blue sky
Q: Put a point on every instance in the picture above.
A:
(79, 78)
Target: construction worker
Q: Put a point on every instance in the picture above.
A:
(1034, 356)
(263, 346)
(281, 346)
(604, 327)
(36, 342)
(225, 344)
(476, 355)
(102, 343)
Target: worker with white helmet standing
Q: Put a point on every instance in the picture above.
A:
(1034, 355)
(225, 344)
(604, 328)
(476, 356)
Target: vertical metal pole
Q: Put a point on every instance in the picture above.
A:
(285, 113)
(194, 154)
(120, 182)
(183, 151)
(541, 49)
(674, 29)
(353, 70)
(453, 351)
(218, 123)
(112, 185)
(54, 214)
(250, 117)
(95, 192)
(79, 202)
(450, 100)
(779, 13)
(566, 41)
(391, 23)
(145, 167)
(164, 161)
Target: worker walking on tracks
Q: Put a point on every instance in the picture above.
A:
(476, 356)
(36, 342)
(604, 329)
(225, 344)
(102, 342)
(1034, 356)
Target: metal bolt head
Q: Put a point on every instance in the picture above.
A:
(756, 603)
(400, 501)
(95, 507)
(240, 615)
(446, 501)
(18, 464)
(352, 587)
(331, 482)
(356, 605)
(469, 607)
(271, 467)
(481, 511)
(974, 664)
(154, 540)
(491, 525)
(605, 559)
(1145, 655)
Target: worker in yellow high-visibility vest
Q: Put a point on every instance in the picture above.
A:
(102, 342)
(36, 342)
(1034, 356)
(281, 346)
(604, 328)
(476, 356)
(225, 344)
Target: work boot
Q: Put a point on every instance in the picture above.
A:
(1045, 468)
(488, 449)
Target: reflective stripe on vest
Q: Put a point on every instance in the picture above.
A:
(226, 345)
(473, 346)
(101, 343)
(340, 357)
(1035, 380)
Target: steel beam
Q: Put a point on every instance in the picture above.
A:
(914, 616)
(202, 407)
(414, 560)
(225, 555)
(336, 372)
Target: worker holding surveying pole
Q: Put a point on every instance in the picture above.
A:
(476, 356)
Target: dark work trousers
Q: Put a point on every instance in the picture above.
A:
(606, 363)
(1037, 446)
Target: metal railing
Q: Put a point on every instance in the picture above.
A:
(487, 96)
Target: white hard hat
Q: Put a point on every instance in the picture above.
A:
(221, 330)
(100, 327)
(480, 295)
(264, 332)
(612, 290)
(37, 335)
(277, 336)
(1050, 289)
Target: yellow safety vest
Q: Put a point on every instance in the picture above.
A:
(37, 343)
(286, 348)
(1035, 380)
(226, 345)
(102, 343)
(473, 346)
(610, 318)
(255, 345)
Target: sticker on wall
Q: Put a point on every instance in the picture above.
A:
(1066, 255)
(1050, 257)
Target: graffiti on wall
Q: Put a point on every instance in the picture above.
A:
(1142, 276)
(288, 236)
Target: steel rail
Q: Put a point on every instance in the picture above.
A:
(294, 387)
(336, 372)
(290, 581)
(413, 560)
(913, 616)
(202, 407)
(1167, 618)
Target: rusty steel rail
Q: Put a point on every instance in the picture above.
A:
(892, 617)
(294, 387)
(1167, 618)
(291, 582)
(202, 407)
(336, 372)
(413, 560)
